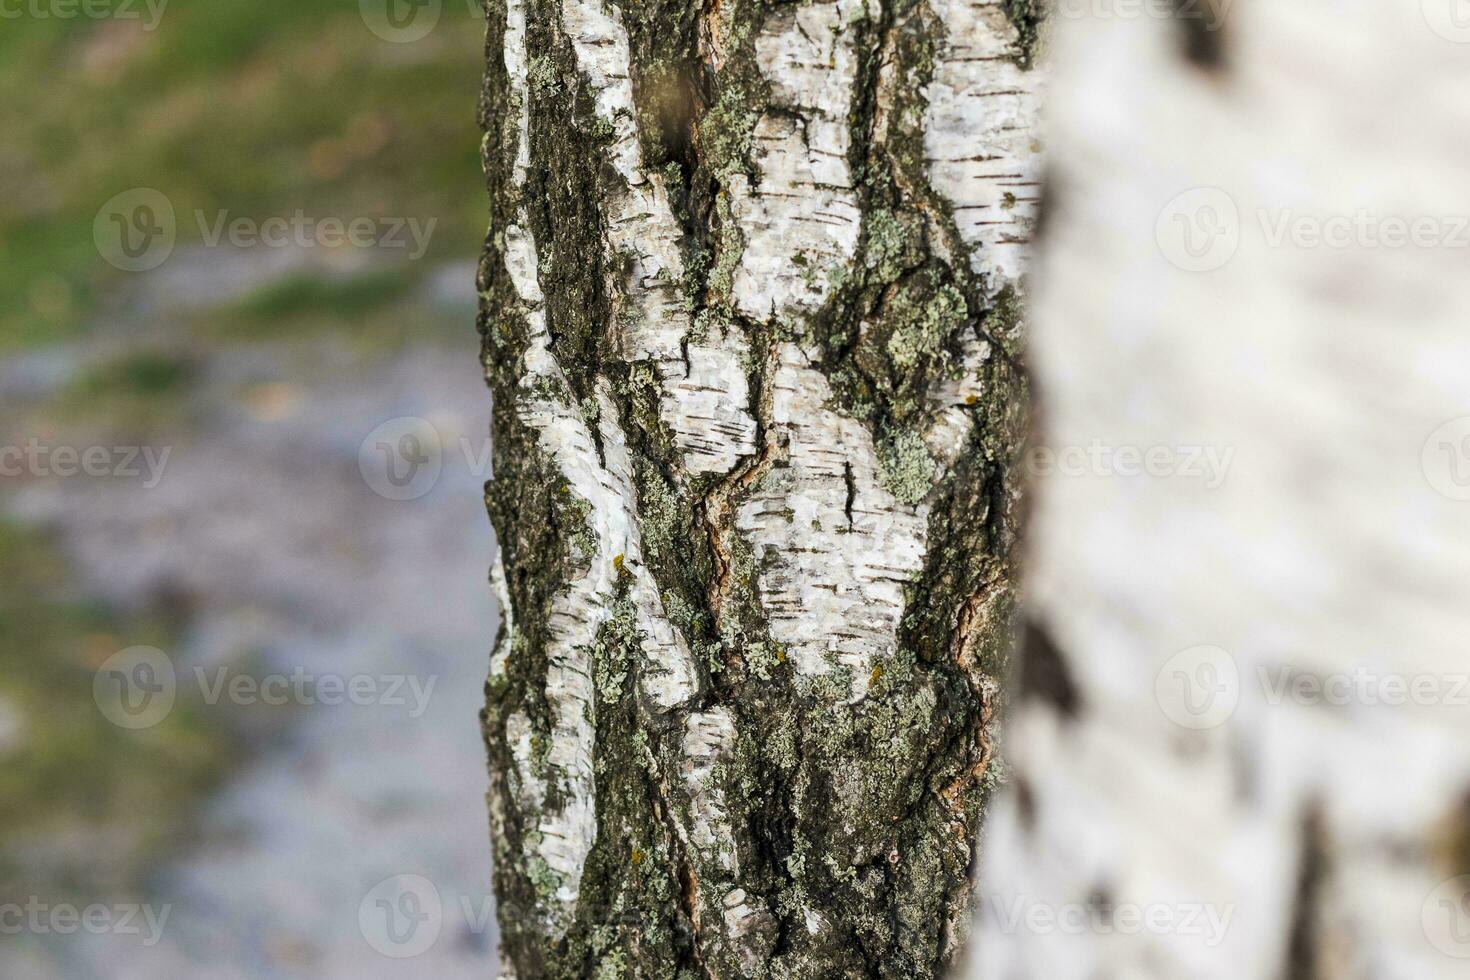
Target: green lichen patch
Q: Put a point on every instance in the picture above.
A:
(905, 467)
(725, 131)
(895, 243)
(845, 828)
(612, 655)
(922, 326)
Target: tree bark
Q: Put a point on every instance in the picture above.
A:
(1242, 719)
(750, 319)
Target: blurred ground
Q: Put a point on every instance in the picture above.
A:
(251, 537)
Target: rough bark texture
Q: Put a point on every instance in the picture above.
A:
(750, 296)
(1156, 765)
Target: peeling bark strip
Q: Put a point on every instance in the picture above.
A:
(756, 402)
(1180, 758)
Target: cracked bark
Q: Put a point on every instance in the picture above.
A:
(749, 316)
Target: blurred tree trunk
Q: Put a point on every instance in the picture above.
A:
(1240, 747)
(750, 322)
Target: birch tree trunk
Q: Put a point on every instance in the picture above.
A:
(750, 321)
(1243, 719)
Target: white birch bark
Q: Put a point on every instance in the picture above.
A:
(747, 318)
(1231, 262)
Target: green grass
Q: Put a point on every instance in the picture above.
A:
(309, 295)
(74, 773)
(138, 393)
(257, 109)
(376, 309)
(142, 373)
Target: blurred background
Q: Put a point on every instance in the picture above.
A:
(243, 620)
